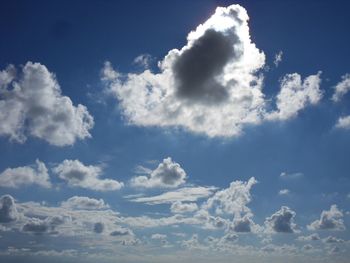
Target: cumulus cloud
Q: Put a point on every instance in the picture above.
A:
(341, 88)
(76, 174)
(179, 207)
(232, 200)
(31, 104)
(210, 86)
(168, 174)
(295, 95)
(331, 219)
(282, 221)
(40, 226)
(185, 194)
(8, 210)
(84, 203)
(343, 123)
(25, 175)
(243, 224)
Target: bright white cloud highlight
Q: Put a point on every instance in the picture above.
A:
(331, 219)
(341, 88)
(168, 174)
(31, 104)
(76, 174)
(25, 176)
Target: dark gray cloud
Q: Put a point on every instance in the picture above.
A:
(282, 221)
(99, 227)
(121, 232)
(242, 225)
(8, 211)
(196, 68)
(39, 226)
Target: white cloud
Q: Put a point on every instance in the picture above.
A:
(312, 237)
(159, 236)
(31, 104)
(168, 174)
(341, 88)
(285, 175)
(179, 207)
(185, 194)
(232, 200)
(282, 221)
(25, 175)
(84, 203)
(278, 58)
(331, 219)
(332, 239)
(210, 86)
(343, 122)
(86, 176)
(284, 192)
(143, 60)
(295, 95)
(8, 211)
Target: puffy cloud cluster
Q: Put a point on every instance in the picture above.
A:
(25, 175)
(282, 221)
(343, 122)
(232, 200)
(31, 104)
(212, 85)
(168, 174)
(8, 211)
(331, 219)
(84, 203)
(76, 174)
(341, 88)
(295, 95)
(209, 86)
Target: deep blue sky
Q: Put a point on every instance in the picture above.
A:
(73, 39)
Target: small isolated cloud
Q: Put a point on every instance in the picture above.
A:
(341, 88)
(8, 210)
(343, 123)
(295, 95)
(31, 104)
(312, 237)
(168, 174)
(84, 203)
(232, 200)
(180, 207)
(284, 192)
(331, 219)
(76, 174)
(282, 221)
(143, 60)
(278, 58)
(285, 175)
(186, 194)
(25, 175)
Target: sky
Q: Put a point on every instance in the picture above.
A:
(174, 131)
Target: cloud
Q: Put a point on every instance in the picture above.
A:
(284, 192)
(159, 236)
(179, 207)
(285, 175)
(84, 203)
(343, 123)
(243, 224)
(8, 211)
(86, 176)
(25, 175)
(40, 226)
(210, 86)
(331, 219)
(168, 174)
(341, 88)
(295, 95)
(143, 60)
(278, 58)
(185, 194)
(312, 237)
(282, 221)
(122, 231)
(331, 239)
(232, 200)
(31, 104)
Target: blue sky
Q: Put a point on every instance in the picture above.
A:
(159, 131)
